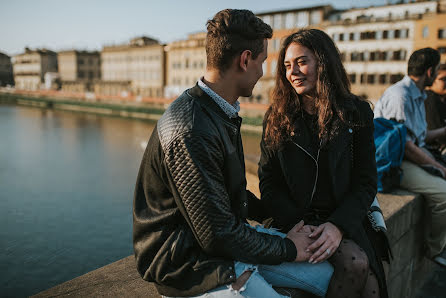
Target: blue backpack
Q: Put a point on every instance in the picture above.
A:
(390, 138)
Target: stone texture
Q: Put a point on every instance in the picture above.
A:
(404, 214)
(119, 279)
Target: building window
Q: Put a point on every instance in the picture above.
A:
(397, 33)
(363, 78)
(391, 34)
(425, 32)
(289, 20)
(343, 56)
(267, 19)
(371, 79)
(341, 37)
(315, 17)
(382, 79)
(395, 78)
(302, 18)
(276, 43)
(273, 67)
(335, 37)
(385, 34)
(442, 50)
(404, 33)
(352, 78)
(277, 21)
(442, 33)
(379, 35)
(352, 36)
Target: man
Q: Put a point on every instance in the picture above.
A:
(190, 233)
(436, 106)
(404, 102)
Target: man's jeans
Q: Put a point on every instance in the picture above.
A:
(303, 275)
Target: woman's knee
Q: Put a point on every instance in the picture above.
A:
(353, 259)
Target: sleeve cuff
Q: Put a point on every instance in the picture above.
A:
(291, 251)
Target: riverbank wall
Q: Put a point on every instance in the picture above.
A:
(149, 110)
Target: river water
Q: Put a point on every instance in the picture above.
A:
(66, 182)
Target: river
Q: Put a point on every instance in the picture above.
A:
(66, 183)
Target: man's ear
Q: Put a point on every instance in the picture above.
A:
(429, 72)
(245, 56)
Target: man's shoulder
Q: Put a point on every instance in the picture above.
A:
(398, 92)
(183, 117)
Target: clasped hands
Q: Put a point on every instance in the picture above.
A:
(315, 244)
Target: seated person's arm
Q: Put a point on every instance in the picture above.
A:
(416, 155)
(196, 166)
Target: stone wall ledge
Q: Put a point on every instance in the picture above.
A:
(404, 214)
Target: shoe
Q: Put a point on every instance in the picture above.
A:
(441, 258)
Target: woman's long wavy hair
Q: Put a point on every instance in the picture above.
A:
(332, 88)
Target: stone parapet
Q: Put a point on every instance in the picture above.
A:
(404, 214)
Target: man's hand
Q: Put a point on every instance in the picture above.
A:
(328, 238)
(416, 155)
(308, 229)
(301, 240)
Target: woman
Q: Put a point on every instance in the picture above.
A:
(318, 163)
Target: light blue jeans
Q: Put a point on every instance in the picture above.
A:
(302, 275)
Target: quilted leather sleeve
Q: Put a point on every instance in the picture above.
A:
(195, 161)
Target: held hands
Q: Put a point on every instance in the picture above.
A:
(327, 239)
(300, 236)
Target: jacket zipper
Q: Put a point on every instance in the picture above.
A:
(317, 167)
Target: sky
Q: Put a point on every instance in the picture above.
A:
(91, 24)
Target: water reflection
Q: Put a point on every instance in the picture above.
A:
(67, 183)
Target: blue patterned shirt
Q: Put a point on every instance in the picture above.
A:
(230, 110)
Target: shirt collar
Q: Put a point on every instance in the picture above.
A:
(416, 93)
(230, 110)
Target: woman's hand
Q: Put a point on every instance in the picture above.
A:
(328, 238)
(308, 229)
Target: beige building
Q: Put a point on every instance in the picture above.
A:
(185, 63)
(31, 66)
(6, 77)
(376, 42)
(78, 70)
(136, 68)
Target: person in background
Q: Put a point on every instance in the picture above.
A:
(190, 233)
(435, 105)
(317, 163)
(422, 173)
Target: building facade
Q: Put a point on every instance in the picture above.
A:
(185, 63)
(6, 77)
(376, 42)
(136, 68)
(78, 70)
(30, 67)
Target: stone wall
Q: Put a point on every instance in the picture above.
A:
(404, 214)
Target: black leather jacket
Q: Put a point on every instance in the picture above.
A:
(191, 202)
